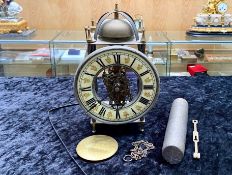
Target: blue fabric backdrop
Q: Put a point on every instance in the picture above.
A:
(28, 145)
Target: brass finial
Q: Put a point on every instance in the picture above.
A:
(89, 37)
(116, 16)
(140, 29)
(93, 27)
(92, 23)
(86, 32)
(143, 38)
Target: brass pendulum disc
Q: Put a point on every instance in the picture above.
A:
(97, 147)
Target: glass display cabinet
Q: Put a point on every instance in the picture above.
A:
(27, 55)
(72, 46)
(213, 53)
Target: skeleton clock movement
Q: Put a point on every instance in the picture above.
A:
(116, 83)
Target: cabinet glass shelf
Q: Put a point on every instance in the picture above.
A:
(217, 56)
(70, 48)
(52, 52)
(28, 55)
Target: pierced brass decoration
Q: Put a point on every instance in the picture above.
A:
(109, 115)
(139, 108)
(108, 60)
(125, 114)
(86, 80)
(127, 60)
(147, 94)
(148, 80)
(211, 7)
(94, 68)
(86, 95)
(140, 66)
(96, 108)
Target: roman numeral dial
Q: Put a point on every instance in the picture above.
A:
(100, 62)
(148, 87)
(116, 84)
(102, 111)
(117, 59)
(118, 114)
(144, 101)
(86, 89)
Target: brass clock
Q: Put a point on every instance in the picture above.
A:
(116, 85)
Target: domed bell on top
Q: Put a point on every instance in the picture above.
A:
(116, 29)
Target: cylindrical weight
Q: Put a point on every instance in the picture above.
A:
(175, 135)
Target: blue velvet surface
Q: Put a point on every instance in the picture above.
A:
(28, 145)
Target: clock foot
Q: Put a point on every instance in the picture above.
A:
(93, 123)
(141, 124)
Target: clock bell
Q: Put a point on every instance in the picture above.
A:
(121, 30)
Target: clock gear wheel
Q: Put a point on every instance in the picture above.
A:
(117, 85)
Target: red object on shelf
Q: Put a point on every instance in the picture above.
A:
(196, 68)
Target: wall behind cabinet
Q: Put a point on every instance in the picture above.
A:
(160, 15)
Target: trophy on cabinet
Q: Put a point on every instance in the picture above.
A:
(9, 20)
(213, 20)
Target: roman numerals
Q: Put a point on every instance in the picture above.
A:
(144, 101)
(102, 112)
(90, 101)
(133, 111)
(124, 67)
(86, 89)
(133, 62)
(148, 87)
(144, 73)
(92, 75)
(118, 114)
(100, 62)
(117, 59)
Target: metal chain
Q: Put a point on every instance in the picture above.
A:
(139, 151)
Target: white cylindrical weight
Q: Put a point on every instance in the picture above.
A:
(175, 135)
